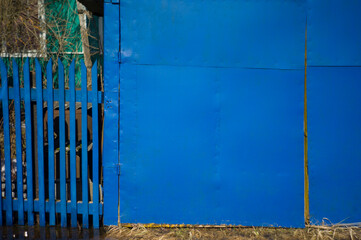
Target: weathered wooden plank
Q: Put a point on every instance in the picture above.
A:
(40, 136)
(19, 157)
(5, 105)
(51, 165)
(84, 135)
(62, 143)
(72, 145)
(95, 129)
(29, 143)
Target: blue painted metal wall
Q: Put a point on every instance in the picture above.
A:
(334, 113)
(210, 112)
(111, 111)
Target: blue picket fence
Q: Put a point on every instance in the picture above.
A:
(53, 206)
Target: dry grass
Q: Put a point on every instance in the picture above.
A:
(163, 233)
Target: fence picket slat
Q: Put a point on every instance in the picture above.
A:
(40, 136)
(19, 158)
(95, 145)
(3, 76)
(84, 129)
(51, 168)
(29, 143)
(5, 105)
(62, 143)
(72, 145)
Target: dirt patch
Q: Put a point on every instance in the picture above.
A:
(163, 233)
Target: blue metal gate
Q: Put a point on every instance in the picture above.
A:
(210, 111)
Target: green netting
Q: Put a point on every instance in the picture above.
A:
(63, 38)
(94, 41)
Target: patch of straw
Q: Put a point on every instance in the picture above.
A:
(326, 230)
